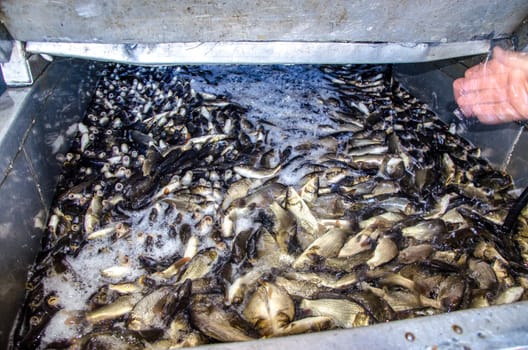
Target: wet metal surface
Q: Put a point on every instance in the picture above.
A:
(518, 164)
(17, 71)
(433, 84)
(31, 123)
(62, 108)
(12, 126)
(19, 239)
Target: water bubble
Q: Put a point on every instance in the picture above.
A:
(410, 336)
(457, 329)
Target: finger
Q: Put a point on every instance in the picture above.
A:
(495, 113)
(465, 109)
(511, 59)
(495, 81)
(457, 87)
(474, 71)
(488, 66)
(484, 69)
(471, 103)
(518, 92)
(482, 96)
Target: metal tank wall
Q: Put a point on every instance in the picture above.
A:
(34, 125)
(33, 131)
(277, 31)
(432, 82)
(34, 121)
(139, 21)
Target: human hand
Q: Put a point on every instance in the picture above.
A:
(496, 91)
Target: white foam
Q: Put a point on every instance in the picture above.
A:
(287, 96)
(61, 327)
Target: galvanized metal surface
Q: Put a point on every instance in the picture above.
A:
(141, 21)
(33, 124)
(22, 69)
(261, 52)
(10, 104)
(16, 71)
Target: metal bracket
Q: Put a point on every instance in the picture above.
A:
(261, 52)
(17, 72)
(21, 69)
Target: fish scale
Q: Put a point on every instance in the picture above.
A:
(352, 182)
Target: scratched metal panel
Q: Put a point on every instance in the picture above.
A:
(13, 127)
(19, 239)
(143, 21)
(269, 52)
(68, 87)
(33, 124)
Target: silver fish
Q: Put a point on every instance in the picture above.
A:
(122, 306)
(225, 325)
(327, 245)
(270, 309)
(345, 313)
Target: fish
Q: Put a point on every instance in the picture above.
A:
(310, 190)
(109, 340)
(187, 214)
(344, 313)
(91, 219)
(283, 225)
(302, 213)
(327, 245)
(236, 291)
(307, 324)
(251, 173)
(155, 310)
(116, 271)
(322, 280)
(269, 309)
(224, 325)
(299, 288)
(122, 306)
(415, 253)
(360, 242)
(425, 230)
(509, 296)
(482, 274)
(200, 265)
(385, 251)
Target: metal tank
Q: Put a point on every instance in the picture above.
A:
(430, 41)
